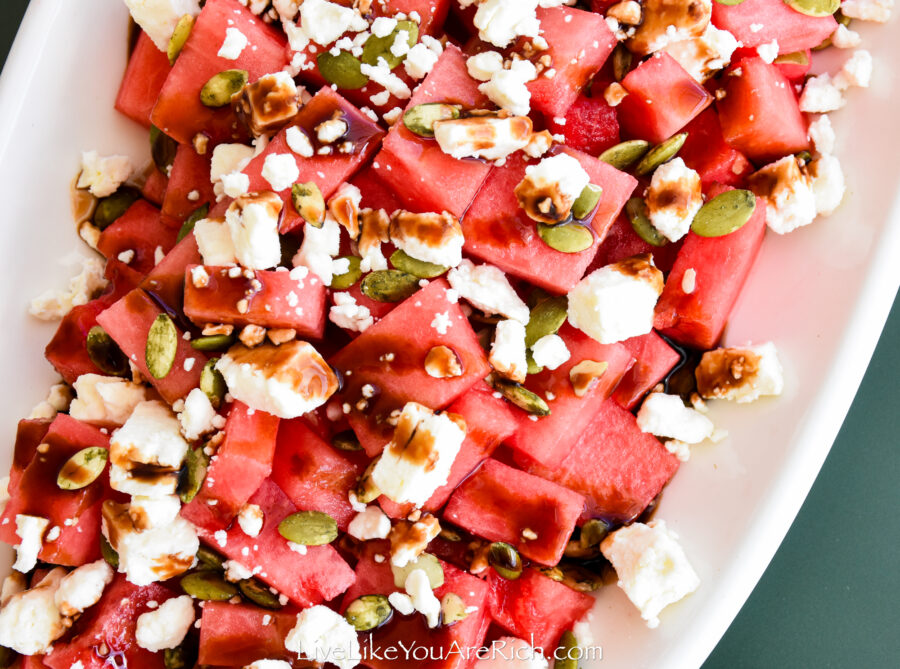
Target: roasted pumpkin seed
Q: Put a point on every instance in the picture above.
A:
(420, 119)
(162, 347)
(309, 203)
(346, 441)
(453, 609)
(110, 208)
(505, 560)
(587, 201)
(109, 553)
(533, 367)
(624, 155)
(568, 653)
(661, 153)
(219, 342)
(622, 59)
(218, 91)
(188, 226)
(427, 563)
(594, 531)
(366, 490)
(377, 48)
(547, 317)
(636, 211)
(176, 658)
(419, 268)
(83, 468)
(309, 528)
(816, 8)
(520, 396)
(213, 383)
(259, 594)
(730, 3)
(105, 353)
(343, 70)
(192, 474)
(579, 578)
(389, 285)
(179, 37)
(724, 214)
(585, 375)
(162, 149)
(208, 586)
(209, 559)
(795, 58)
(566, 238)
(349, 278)
(368, 612)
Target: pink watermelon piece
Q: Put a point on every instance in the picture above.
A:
(239, 634)
(756, 22)
(189, 185)
(591, 125)
(376, 194)
(140, 230)
(707, 152)
(623, 242)
(154, 188)
(653, 359)
(143, 80)
(165, 282)
(29, 434)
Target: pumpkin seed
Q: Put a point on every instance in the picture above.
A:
(453, 609)
(7, 657)
(111, 207)
(105, 353)
(309, 203)
(566, 238)
(209, 558)
(221, 87)
(519, 395)
(420, 119)
(567, 654)
(368, 612)
(109, 553)
(624, 155)
(622, 59)
(594, 531)
(83, 468)
(427, 563)
(533, 367)
(213, 383)
(259, 594)
(585, 374)
(795, 58)
(188, 226)
(179, 37)
(389, 285)
(349, 278)
(636, 210)
(661, 153)
(730, 3)
(219, 342)
(505, 560)
(547, 317)
(366, 490)
(192, 474)
(579, 578)
(176, 658)
(575, 549)
(587, 201)
(725, 213)
(343, 70)
(309, 528)
(817, 8)
(377, 48)
(162, 347)
(419, 268)
(346, 441)
(208, 586)
(162, 149)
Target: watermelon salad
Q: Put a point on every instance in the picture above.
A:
(387, 355)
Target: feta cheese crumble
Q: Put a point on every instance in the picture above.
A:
(430, 237)
(370, 524)
(550, 188)
(105, 399)
(508, 88)
(166, 626)
(422, 597)
(30, 621)
(788, 194)
(488, 137)
(198, 415)
(323, 21)
(234, 43)
(508, 351)
(158, 18)
(674, 198)
(250, 519)
(666, 416)
(252, 221)
(30, 530)
(486, 287)
(54, 304)
(82, 588)
(741, 374)
(349, 315)
(324, 636)
(550, 351)
(280, 170)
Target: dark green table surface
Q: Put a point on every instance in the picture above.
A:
(831, 597)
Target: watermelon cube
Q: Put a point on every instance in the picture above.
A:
(617, 468)
(189, 185)
(653, 359)
(591, 125)
(239, 634)
(165, 282)
(154, 188)
(756, 22)
(376, 194)
(143, 80)
(623, 242)
(139, 231)
(707, 152)
(29, 434)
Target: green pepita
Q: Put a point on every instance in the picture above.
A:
(209, 559)
(366, 490)
(176, 658)
(816, 8)
(547, 317)
(421, 118)
(368, 612)
(377, 48)
(505, 560)
(192, 474)
(661, 153)
(213, 383)
(349, 278)
(346, 441)
(730, 3)
(109, 553)
(795, 58)
(208, 586)
(567, 654)
(427, 563)
(162, 347)
(419, 268)
(576, 577)
(218, 91)
(389, 285)
(259, 594)
(219, 342)
(113, 206)
(624, 155)
(622, 60)
(520, 396)
(587, 202)
(566, 238)
(105, 353)
(343, 70)
(453, 609)
(83, 468)
(585, 375)
(309, 203)
(636, 210)
(188, 226)
(594, 531)
(309, 528)
(179, 37)
(533, 367)
(162, 149)
(724, 214)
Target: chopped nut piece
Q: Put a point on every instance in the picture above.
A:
(200, 143)
(279, 336)
(252, 335)
(344, 206)
(217, 329)
(585, 375)
(627, 12)
(668, 21)
(442, 362)
(529, 534)
(268, 104)
(614, 94)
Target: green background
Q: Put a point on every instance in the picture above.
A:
(831, 597)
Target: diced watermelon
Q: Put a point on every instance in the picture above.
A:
(617, 468)
(653, 359)
(623, 242)
(128, 321)
(721, 265)
(29, 434)
(406, 335)
(662, 99)
(756, 22)
(189, 185)
(165, 282)
(241, 463)
(139, 230)
(239, 634)
(591, 125)
(550, 438)
(375, 193)
(306, 579)
(312, 473)
(760, 115)
(423, 176)
(143, 80)
(579, 44)
(536, 608)
(707, 152)
(179, 112)
(499, 231)
(154, 188)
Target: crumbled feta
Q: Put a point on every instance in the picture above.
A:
(54, 304)
(349, 315)
(59, 398)
(12, 585)
(298, 142)
(105, 399)
(370, 524)
(821, 94)
(235, 571)
(550, 188)
(868, 10)
(401, 603)
(325, 21)
(768, 51)
(166, 626)
(83, 587)
(158, 18)
(821, 132)
(418, 458)
(616, 302)
(269, 664)
(791, 202)
(214, 242)
(550, 351)
(229, 158)
(235, 41)
(487, 137)
(235, 184)
(705, 55)
(666, 416)
(103, 175)
(502, 21)
(324, 636)
(400, 45)
(252, 221)
(857, 71)
(30, 621)
(827, 180)
(508, 351)
(382, 75)
(674, 198)
(508, 89)
(844, 38)
(482, 66)
(513, 653)
(250, 519)
(151, 512)
(743, 374)
(383, 26)
(280, 170)
(197, 417)
(679, 449)
(410, 539)
(422, 57)
(486, 288)
(430, 237)
(30, 530)
(422, 596)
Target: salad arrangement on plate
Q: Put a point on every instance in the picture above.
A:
(388, 354)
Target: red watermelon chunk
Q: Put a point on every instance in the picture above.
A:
(722, 265)
(189, 185)
(376, 194)
(144, 77)
(550, 438)
(653, 359)
(239, 634)
(154, 188)
(139, 230)
(756, 22)
(390, 356)
(128, 321)
(662, 99)
(591, 125)
(179, 112)
(312, 473)
(318, 575)
(424, 177)
(276, 300)
(29, 434)
(623, 242)
(165, 282)
(498, 231)
(760, 114)
(707, 152)
(617, 468)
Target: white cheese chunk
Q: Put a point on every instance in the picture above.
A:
(235, 184)
(703, 56)
(741, 374)
(827, 181)
(54, 304)
(508, 88)
(666, 416)
(105, 399)
(508, 355)
(561, 178)
(369, 524)
(401, 603)
(280, 170)
(790, 200)
(822, 134)
(768, 51)
(324, 636)
(674, 198)
(409, 544)
(235, 571)
(383, 26)
(422, 58)
(214, 242)
(513, 653)
(229, 158)
(152, 512)
(166, 626)
(857, 71)
(429, 237)
(234, 43)
(382, 74)
(250, 519)
(844, 38)
(486, 288)
(103, 175)
(821, 94)
(30, 530)
(878, 11)
(298, 142)
(485, 137)
(30, 621)
(499, 22)
(482, 66)
(349, 315)
(158, 18)
(421, 595)
(318, 248)
(197, 417)
(550, 351)
(252, 221)
(82, 588)
(325, 21)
